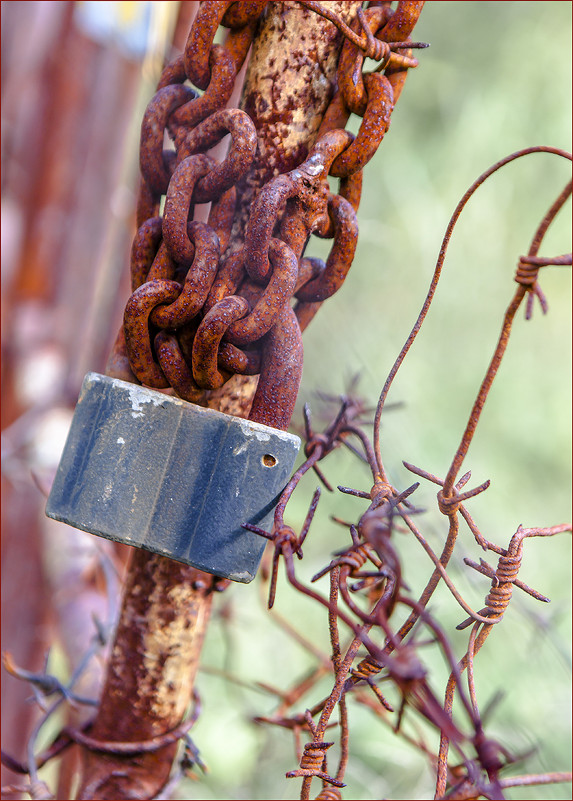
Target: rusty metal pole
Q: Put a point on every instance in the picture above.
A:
(166, 605)
(58, 232)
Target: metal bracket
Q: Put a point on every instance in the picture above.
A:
(156, 472)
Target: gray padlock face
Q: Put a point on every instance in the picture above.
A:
(156, 472)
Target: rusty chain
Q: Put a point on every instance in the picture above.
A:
(204, 308)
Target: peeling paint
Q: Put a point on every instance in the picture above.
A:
(242, 576)
(251, 430)
(261, 432)
(289, 83)
(170, 651)
(138, 396)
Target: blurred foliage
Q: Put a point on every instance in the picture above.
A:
(496, 79)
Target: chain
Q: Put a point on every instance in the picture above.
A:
(202, 310)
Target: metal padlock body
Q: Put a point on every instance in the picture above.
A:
(153, 471)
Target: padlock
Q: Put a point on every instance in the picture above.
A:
(159, 473)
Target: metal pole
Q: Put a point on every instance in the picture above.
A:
(166, 605)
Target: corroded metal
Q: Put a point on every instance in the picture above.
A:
(129, 746)
(203, 291)
(288, 87)
(203, 320)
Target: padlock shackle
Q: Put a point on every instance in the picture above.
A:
(281, 372)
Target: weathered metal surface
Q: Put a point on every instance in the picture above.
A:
(156, 472)
(202, 352)
(211, 298)
(150, 678)
(288, 86)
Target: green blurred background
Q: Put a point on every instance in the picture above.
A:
(497, 78)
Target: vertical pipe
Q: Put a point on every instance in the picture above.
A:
(166, 605)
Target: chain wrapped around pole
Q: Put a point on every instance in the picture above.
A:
(220, 296)
(203, 310)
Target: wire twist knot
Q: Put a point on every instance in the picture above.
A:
(366, 669)
(449, 504)
(499, 596)
(329, 794)
(355, 558)
(316, 441)
(286, 535)
(380, 491)
(526, 272)
(312, 762)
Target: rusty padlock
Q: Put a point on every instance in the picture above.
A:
(156, 472)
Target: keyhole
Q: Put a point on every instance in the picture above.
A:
(269, 460)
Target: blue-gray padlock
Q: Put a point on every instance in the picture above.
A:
(153, 471)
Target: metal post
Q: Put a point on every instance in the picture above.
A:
(166, 605)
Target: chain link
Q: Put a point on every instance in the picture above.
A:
(201, 311)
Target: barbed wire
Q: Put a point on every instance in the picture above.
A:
(372, 562)
(366, 585)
